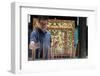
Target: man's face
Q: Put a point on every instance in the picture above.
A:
(43, 24)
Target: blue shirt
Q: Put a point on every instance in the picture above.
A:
(38, 36)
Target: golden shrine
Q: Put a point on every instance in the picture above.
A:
(62, 35)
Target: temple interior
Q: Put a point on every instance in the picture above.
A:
(62, 29)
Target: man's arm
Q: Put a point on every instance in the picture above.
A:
(32, 44)
(32, 40)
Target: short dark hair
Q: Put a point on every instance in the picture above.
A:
(42, 18)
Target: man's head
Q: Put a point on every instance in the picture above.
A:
(43, 21)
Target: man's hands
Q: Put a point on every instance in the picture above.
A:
(34, 45)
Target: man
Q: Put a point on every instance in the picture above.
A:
(40, 39)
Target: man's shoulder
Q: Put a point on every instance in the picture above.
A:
(34, 32)
(48, 33)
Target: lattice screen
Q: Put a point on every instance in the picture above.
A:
(62, 35)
